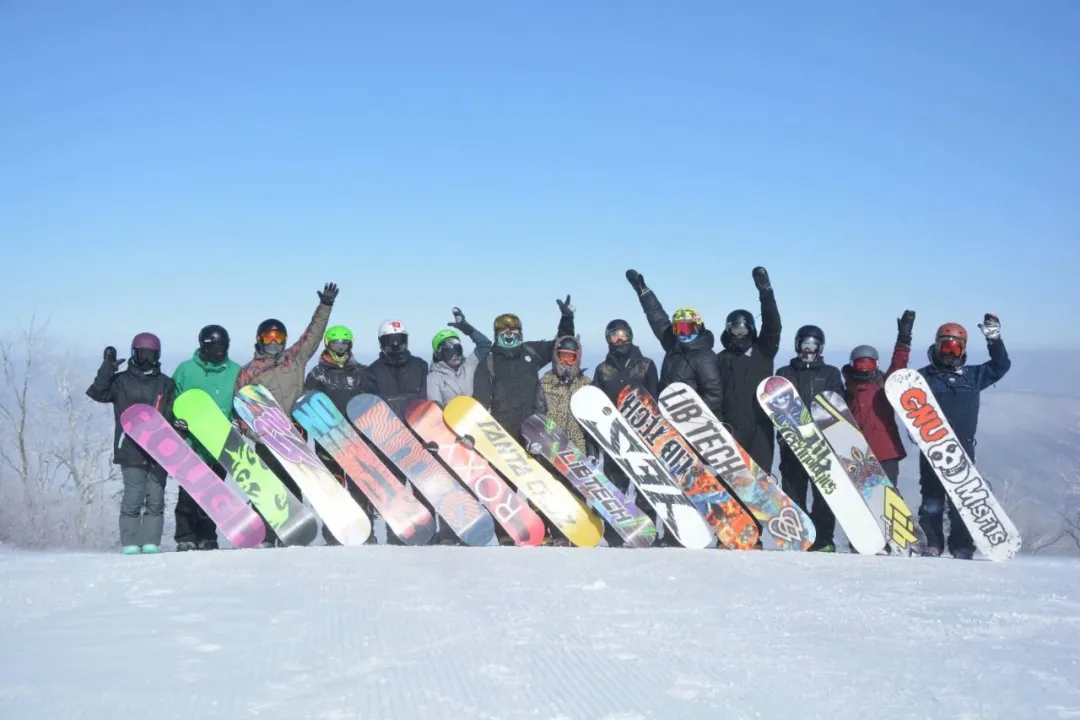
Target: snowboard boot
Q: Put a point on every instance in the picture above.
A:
(964, 554)
(131, 550)
(931, 551)
(207, 545)
(150, 548)
(826, 548)
(185, 546)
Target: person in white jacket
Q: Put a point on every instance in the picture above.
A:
(451, 373)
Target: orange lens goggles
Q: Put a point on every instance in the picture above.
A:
(951, 346)
(684, 327)
(567, 357)
(271, 336)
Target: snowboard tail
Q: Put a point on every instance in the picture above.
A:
(227, 508)
(465, 516)
(784, 524)
(517, 519)
(548, 440)
(404, 514)
(289, 518)
(993, 531)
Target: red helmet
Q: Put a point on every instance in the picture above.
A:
(952, 330)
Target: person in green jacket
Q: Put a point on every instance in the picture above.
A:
(209, 369)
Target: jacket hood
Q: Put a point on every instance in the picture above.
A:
(208, 367)
(704, 341)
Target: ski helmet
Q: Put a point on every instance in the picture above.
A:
(271, 336)
(619, 337)
(394, 341)
(950, 346)
(740, 331)
(213, 344)
(145, 352)
(442, 336)
(446, 347)
(809, 343)
(339, 343)
(686, 324)
(567, 357)
(864, 362)
(508, 332)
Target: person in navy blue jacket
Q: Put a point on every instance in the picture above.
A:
(956, 387)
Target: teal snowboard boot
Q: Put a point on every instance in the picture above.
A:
(150, 548)
(131, 550)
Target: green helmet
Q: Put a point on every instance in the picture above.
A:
(336, 333)
(441, 336)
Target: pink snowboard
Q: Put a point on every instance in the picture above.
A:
(227, 508)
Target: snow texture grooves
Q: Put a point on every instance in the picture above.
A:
(542, 633)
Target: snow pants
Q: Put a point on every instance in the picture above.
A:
(794, 484)
(932, 513)
(192, 523)
(142, 506)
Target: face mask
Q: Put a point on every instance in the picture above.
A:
(809, 349)
(273, 348)
(214, 353)
(509, 338)
(145, 360)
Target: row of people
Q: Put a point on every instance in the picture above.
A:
(505, 376)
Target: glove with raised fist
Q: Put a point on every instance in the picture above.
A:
(637, 281)
(328, 294)
(565, 307)
(761, 280)
(904, 326)
(460, 323)
(991, 327)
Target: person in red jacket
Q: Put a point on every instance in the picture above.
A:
(864, 388)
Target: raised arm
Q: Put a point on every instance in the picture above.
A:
(545, 349)
(305, 348)
(658, 319)
(905, 324)
(769, 336)
(101, 389)
(999, 363)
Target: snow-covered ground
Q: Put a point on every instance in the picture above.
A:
(439, 632)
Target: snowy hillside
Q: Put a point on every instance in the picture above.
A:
(386, 632)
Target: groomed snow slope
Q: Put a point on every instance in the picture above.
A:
(438, 632)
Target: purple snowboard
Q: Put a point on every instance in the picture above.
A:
(227, 508)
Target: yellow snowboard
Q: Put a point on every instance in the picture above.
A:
(465, 416)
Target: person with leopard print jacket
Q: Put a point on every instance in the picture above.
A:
(558, 384)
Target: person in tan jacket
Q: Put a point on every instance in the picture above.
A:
(282, 371)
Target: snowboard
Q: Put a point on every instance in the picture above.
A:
(469, 419)
(404, 514)
(650, 476)
(994, 533)
(734, 526)
(784, 525)
(289, 518)
(833, 417)
(549, 441)
(227, 508)
(270, 425)
(796, 427)
(378, 423)
(520, 521)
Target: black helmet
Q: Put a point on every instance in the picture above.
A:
(213, 344)
(809, 332)
(268, 325)
(616, 326)
(740, 331)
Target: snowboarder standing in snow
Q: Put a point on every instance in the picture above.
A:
(810, 375)
(956, 387)
(687, 344)
(341, 378)
(211, 370)
(864, 393)
(508, 382)
(746, 360)
(558, 384)
(624, 366)
(451, 373)
(280, 370)
(397, 376)
(142, 506)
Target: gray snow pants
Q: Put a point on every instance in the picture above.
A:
(142, 508)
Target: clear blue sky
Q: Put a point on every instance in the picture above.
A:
(168, 165)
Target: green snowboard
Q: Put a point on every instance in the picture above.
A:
(290, 519)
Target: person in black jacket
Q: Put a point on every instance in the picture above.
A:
(341, 378)
(507, 383)
(810, 375)
(397, 376)
(142, 506)
(746, 360)
(687, 344)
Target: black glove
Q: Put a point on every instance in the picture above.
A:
(761, 280)
(109, 359)
(460, 323)
(637, 281)
(565, 307)
(328, 294)
(904, 325)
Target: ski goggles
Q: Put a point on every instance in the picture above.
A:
(449, 349)
(809, 345)
(738, 329)
(272, 336)
(619, 336)
(684, 328)
(567, 357)
(507, 322)
(339, 347)
(865, 365)
(950, 346)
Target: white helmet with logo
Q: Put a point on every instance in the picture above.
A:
(392, 327)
